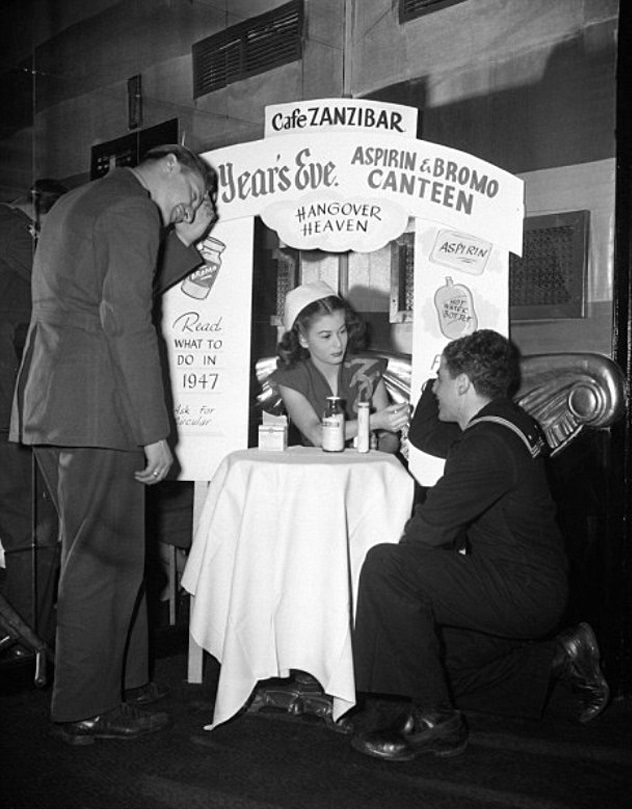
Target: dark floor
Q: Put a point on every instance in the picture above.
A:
(275, 761)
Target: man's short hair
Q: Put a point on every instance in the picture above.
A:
(190, 160)
(490, 361)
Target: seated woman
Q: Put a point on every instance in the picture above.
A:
(318, 358)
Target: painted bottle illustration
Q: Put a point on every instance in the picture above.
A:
(455, 309)
(198, 284)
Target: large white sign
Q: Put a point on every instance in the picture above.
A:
(336, 175)
(206, 326)
(355, 191)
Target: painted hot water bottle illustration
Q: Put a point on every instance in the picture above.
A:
(455, 309)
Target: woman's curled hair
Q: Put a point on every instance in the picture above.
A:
(289, 349)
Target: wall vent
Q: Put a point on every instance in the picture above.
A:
(549, 281)
(251, 47)
(411, 9)
(402, 278)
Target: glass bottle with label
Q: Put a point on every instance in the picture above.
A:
(334, 425)
(363, 443)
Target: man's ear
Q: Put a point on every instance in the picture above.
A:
(171, 162)
(463, 384)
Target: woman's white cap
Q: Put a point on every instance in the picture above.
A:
(300, 297)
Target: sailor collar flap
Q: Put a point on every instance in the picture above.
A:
(533, 440)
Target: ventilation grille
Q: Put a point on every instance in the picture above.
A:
(254, 46)
(287, 271)
(549, 280)
(402, 278)
(410, 9)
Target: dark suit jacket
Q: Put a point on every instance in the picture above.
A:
(91, 374)
(17, 245)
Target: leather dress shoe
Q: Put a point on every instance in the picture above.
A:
(145, 694)
(577, 665)
(441, 733)
(124, 722)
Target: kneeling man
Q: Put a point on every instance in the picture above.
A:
(460, 613)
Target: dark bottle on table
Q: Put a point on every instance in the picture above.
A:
(333, 425)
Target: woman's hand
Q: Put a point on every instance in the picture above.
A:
(159, 460)
(392, 418)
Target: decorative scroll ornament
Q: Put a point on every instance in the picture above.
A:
(567, 392)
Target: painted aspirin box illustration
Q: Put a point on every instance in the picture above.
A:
(460, 251)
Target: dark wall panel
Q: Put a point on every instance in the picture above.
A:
(565, 117)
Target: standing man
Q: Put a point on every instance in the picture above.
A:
(25, 505)
(457, 614)
(90, 399)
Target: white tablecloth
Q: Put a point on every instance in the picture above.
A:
(275, 561)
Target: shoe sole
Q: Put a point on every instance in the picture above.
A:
(87, 739)
(447, 752)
